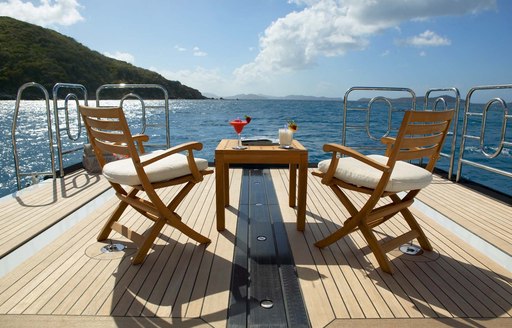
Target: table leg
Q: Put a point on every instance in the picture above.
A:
(226, 185)
(293, 185)
(220, 176)
(302, 191)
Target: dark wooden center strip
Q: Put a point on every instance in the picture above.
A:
(263, 268)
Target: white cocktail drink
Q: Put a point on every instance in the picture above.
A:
(285, 137)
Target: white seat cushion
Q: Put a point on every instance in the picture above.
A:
(170, 167)
(405, 176)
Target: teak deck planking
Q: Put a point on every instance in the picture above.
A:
(485, 217)
(70, 282)
(31, 211)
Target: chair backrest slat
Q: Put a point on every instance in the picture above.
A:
(419, 129)
(421, 141)
(431, 116)
(421, 135)
(104, 124)
(112, 148)
(103, 112)
(416, 153)
(108, 132)
(109, 136)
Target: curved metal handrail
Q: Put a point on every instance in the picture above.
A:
(143, 108)
(391, 110)
(453, 133)
(503, 127)
(480, 138)
(79, 119)
(158, 87)
(73, 87)
(34, 175)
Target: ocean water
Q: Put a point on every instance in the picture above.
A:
(206, 121)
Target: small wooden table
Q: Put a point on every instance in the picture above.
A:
(297, 157)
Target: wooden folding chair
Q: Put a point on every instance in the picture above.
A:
(421, 135)
(108, 132)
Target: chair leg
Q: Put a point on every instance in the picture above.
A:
(351, 223)
(414, 225)
(173, 204)
(148, 242)
(349, 226)
(172, 218)
(178, 224)
(107, 228)
(344, 200)
(373, 243)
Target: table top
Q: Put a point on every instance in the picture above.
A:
(260, 154)
(226, 146)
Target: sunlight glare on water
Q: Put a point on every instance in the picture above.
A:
(207, 121)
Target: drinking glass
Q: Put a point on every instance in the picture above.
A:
(285, 138)
(238, 125)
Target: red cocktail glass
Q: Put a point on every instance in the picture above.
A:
(238, 125)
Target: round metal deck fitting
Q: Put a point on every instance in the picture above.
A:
(113, 248)
(411, 249)
(267, 304)
(261, 238)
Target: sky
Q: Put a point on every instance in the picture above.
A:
(292, 47)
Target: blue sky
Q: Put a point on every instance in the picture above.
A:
(306, 47)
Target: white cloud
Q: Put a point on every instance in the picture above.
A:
(427, 39)
(124, 56)
(48, 12)
(198, 52)
(325, 28)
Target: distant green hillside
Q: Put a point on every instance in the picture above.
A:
(30, 53)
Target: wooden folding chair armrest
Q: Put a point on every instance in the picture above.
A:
(389, 142)
(335, 148)
(139, 139)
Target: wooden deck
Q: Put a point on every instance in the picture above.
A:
(72, 283)
(30, 211)
(482, 215)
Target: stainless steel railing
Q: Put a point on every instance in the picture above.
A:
(479, 136)
(72, 95)
(66, 132)
(144, 106)
(365, 125)
(407, 103)
(373, 105)
(35, 174)
(453, 133)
